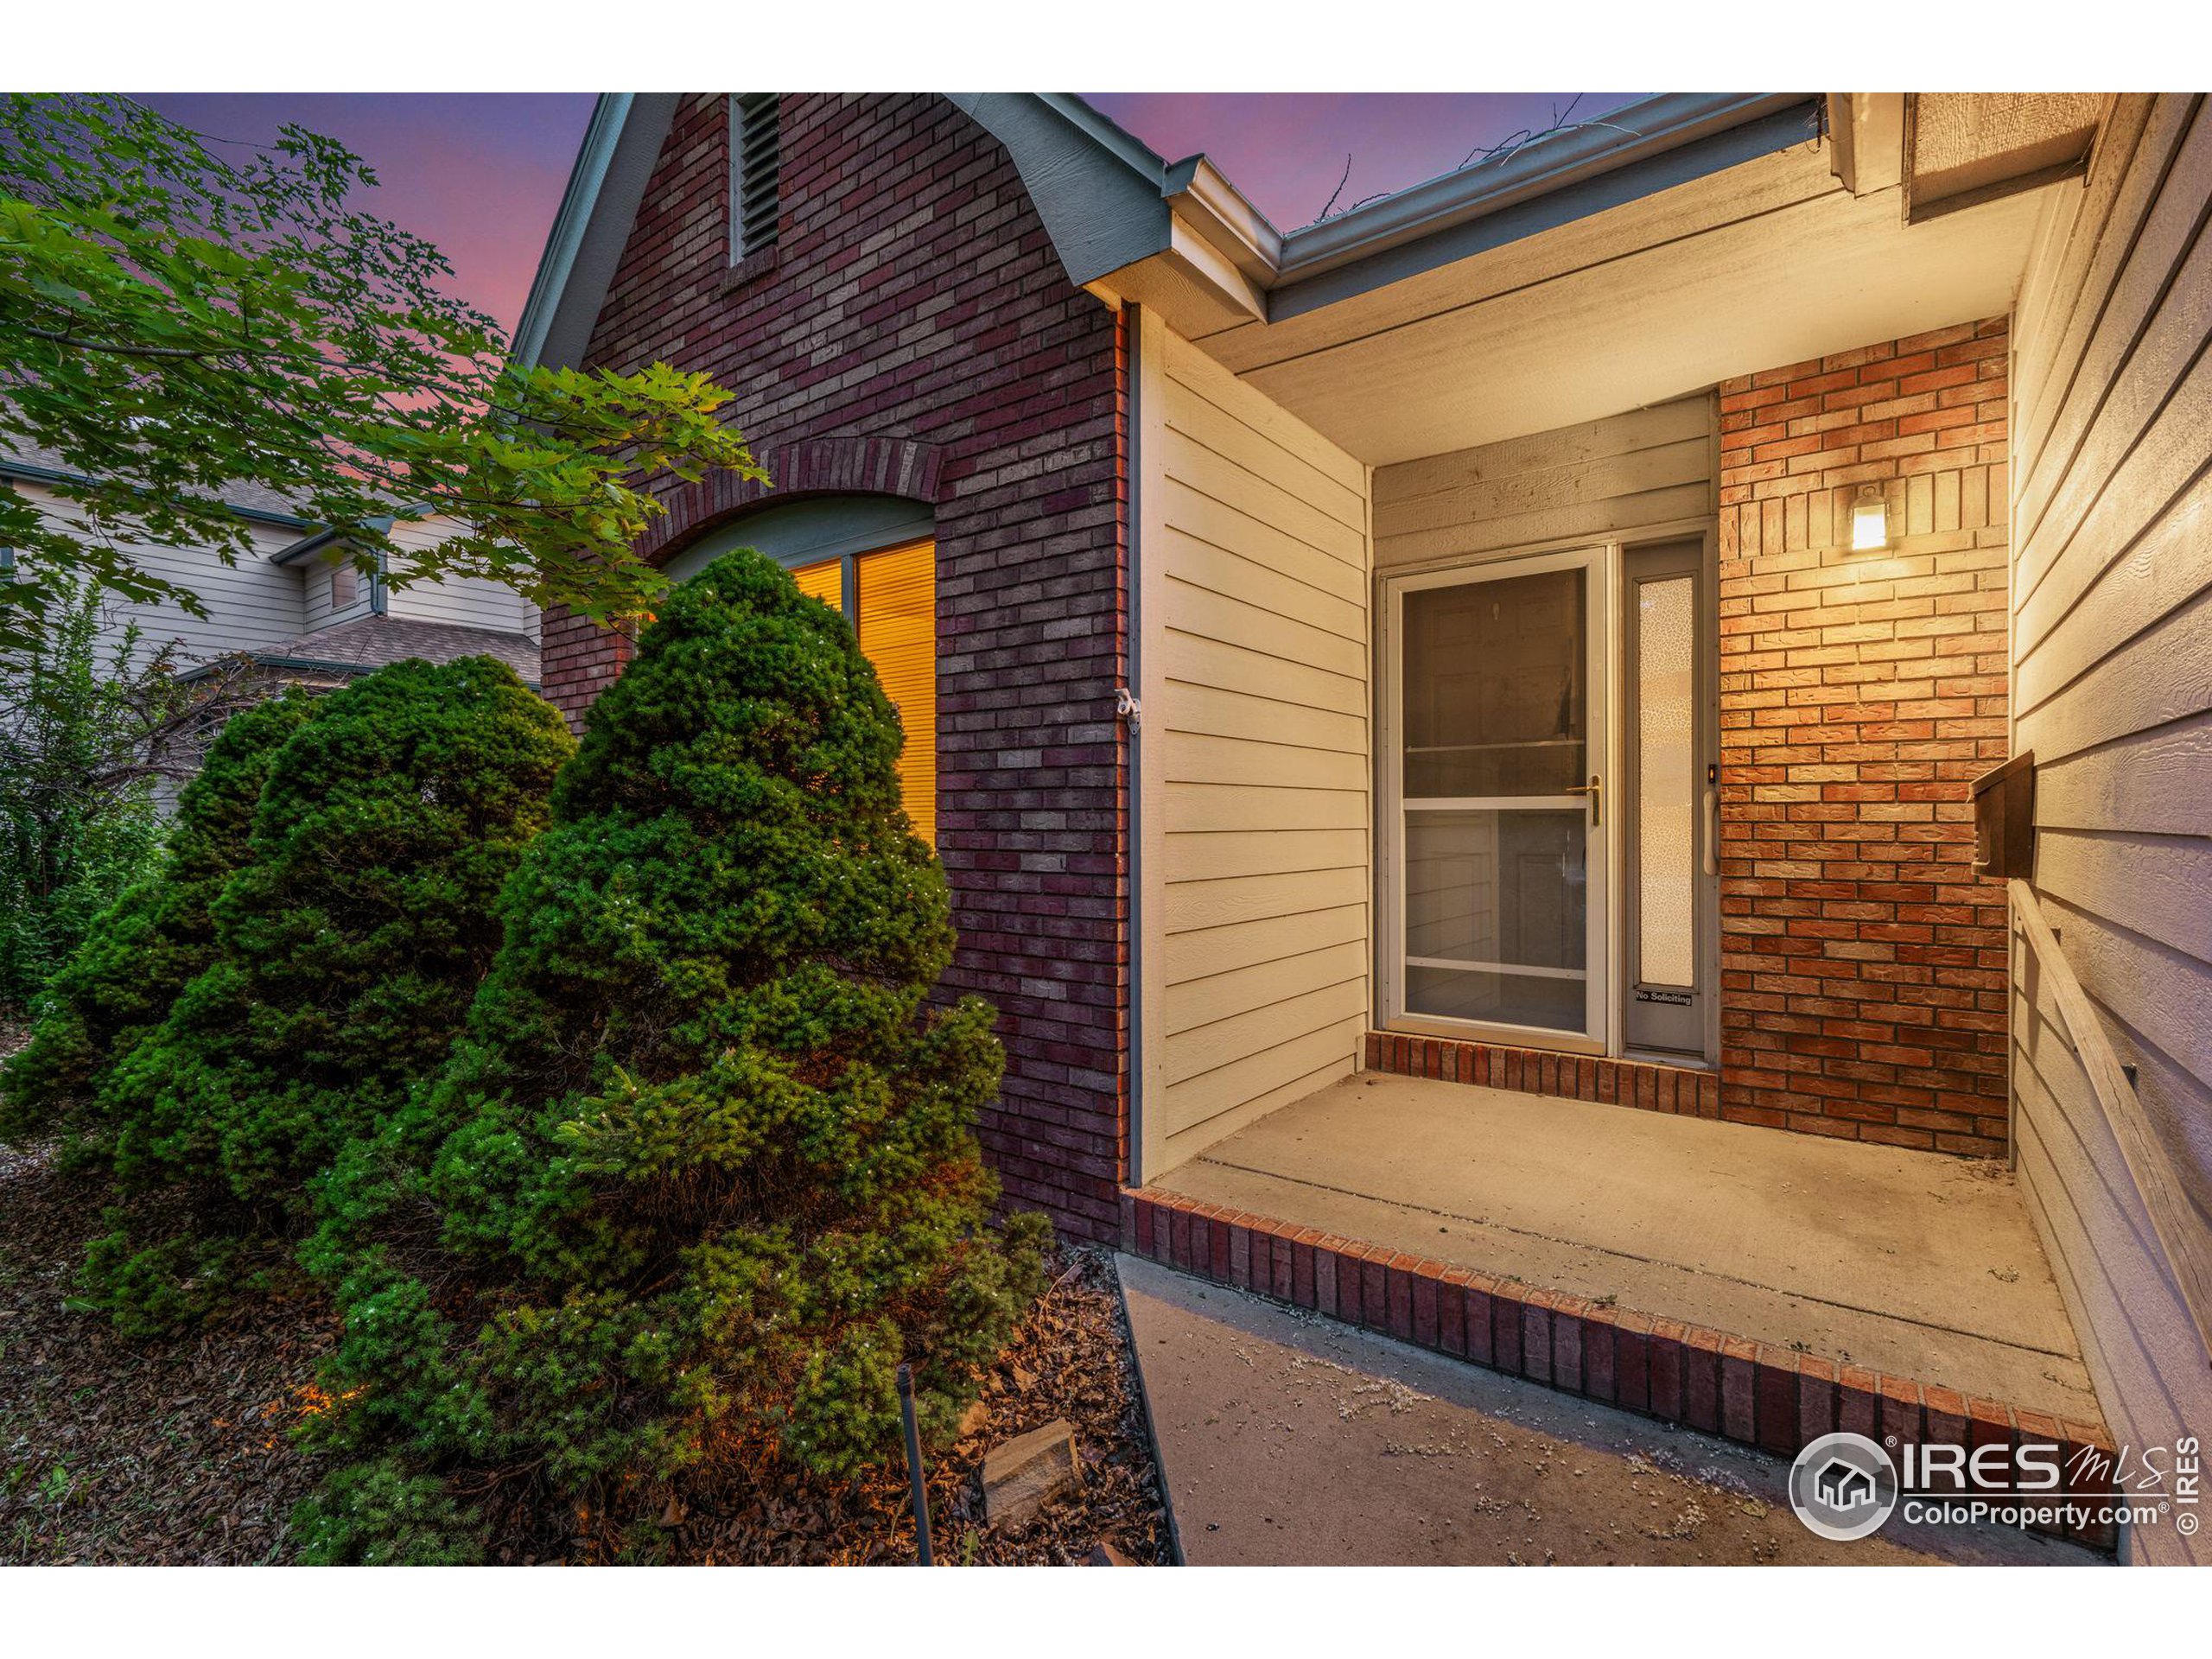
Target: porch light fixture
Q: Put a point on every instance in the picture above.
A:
(1870, 519)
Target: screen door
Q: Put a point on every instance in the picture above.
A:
(1500, 809)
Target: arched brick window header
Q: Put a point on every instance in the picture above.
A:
(811, 467)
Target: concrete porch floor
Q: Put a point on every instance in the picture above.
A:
(1903, 1262)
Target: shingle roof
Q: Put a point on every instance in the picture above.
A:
(373, 642)
(245, 497)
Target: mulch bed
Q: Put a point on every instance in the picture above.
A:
(166, 1453)
(180, 1453)
(1071, 1359)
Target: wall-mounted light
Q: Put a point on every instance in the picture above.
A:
(1870, 519)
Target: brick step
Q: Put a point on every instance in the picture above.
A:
(1686, 1091)
(1776, 1400)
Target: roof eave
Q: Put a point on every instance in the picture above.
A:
(1625, 156)
(1554, 162)
(1201, 194)
(621, 144)
(33, 475)
(315, 542)
(1109, 202)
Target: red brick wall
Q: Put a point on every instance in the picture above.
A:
(913, 295)
(1863, 963)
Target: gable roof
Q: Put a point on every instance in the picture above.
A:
(599, 205)
(1108, 202)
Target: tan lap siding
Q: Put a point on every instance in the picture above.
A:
(1257, 733)
(2113, 689)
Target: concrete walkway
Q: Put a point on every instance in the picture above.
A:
(1906, 1262)
(1289, 1440)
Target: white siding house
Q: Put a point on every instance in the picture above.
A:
(253, 604)
(299, 608)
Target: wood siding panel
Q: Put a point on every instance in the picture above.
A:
(2128, 1308)
(1223, 1101)
(250, 604)
(1185, 956)
(1626, 472)
(2142, 781)
(1201, 1003)
(460, 602)
(2113, 666)
(1257, 724)
(319, 578)
(1260, 852)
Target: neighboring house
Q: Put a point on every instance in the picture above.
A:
(1540, 627)
(294, 605)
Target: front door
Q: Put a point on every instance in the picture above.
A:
(1499, 808)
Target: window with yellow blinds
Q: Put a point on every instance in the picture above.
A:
(895, 596)
(824, 582)
(894, 602)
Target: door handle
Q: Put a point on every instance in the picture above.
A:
(1595, 790)
(1712, 833)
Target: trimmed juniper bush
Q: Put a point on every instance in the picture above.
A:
(347, 946)
(701, 1170)
(150, 943)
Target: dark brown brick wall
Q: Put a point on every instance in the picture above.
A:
(1863, 963)
(914, 308)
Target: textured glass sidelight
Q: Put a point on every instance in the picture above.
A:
(1666, 805)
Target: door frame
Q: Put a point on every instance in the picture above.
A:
(1388, 759)
(1601, 929)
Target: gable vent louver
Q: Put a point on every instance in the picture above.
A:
(755, 174)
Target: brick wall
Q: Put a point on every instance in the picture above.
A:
(1863, 963)
(913, 296)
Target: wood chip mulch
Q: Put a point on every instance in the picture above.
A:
(164, 1453)
(1071, 1359)
(181, 1453)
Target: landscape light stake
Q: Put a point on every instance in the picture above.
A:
(914, 1462)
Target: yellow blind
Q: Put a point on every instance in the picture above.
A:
(824, 582)
(896, 596)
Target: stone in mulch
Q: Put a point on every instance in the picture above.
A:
(1021, 1475)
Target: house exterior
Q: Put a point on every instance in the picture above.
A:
(1542, 628)
(296, 608)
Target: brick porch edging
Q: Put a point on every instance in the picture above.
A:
(1776, 1400)
(1653, 1088)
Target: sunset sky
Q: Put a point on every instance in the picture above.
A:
(481, 175)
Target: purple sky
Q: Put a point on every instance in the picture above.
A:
(480, 174)
(1286, 150)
